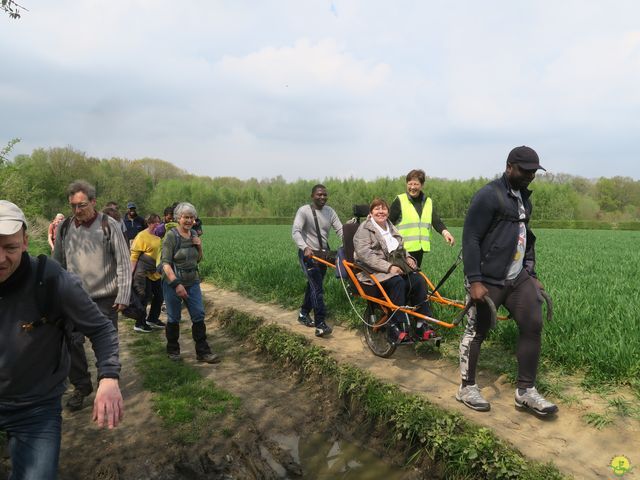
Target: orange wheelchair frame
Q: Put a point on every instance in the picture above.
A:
(380, 309)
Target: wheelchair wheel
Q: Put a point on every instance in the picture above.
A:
(377, 337)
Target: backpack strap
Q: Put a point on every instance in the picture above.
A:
(64, 228)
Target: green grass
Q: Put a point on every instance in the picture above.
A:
(588, 273)
(182, 398)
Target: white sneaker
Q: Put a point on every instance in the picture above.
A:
(472, 398)
(532, 400)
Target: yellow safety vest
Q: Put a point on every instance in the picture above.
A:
(415, 231)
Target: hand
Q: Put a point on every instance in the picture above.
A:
(196, 241)
(182, 292)
(395, 270)
(307, 252)
(412, 263)
(108, 407)
(448, 237)
(478, 291)
(119, 307)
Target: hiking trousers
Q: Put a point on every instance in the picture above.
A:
(314, 291)
(79, 375)
(522, 299)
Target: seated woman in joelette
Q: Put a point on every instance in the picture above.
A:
(379, 248)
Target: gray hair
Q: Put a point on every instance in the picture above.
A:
(84, 187)
(182, 208)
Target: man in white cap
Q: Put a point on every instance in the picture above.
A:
(34, 360)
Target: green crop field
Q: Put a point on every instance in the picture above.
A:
(591, 276)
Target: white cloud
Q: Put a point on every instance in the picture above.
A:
(306, 68)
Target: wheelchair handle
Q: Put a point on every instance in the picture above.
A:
(490, 304)
(549, 302)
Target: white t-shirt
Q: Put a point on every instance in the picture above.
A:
(516, 266)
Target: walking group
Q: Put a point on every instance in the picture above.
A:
(100, 261)
(498, 251)
(103, 264)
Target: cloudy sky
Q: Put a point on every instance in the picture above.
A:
(316, 88)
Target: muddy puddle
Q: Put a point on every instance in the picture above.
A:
(322, 457)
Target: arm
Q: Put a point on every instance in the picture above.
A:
(50, 235)
(137, 249)
(476, 225)
(77, 307)
(123, 265)
(336, 224)
(166, 260)
(299, 223)
(441, 228)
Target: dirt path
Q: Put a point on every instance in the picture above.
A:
(284, 428)
(576, 448)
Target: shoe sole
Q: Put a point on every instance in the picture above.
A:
(474, 407)
(215, 360)
(535, 410)
(155, 325)
(140, 330)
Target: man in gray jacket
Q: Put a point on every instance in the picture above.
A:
(91, 245)
(34, 361)
(310, 233)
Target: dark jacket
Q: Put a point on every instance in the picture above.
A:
(134, 226)
(490, 233)
(34, 363)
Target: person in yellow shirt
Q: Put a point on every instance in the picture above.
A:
(145, 257)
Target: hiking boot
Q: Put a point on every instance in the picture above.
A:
(208, 358)
(175, 357)
(305, 319)
(472, 398)
(156, 324)
(75, 401)
(323, 329)
(142, 328)
(532, 400)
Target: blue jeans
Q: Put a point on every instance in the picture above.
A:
(34, 439)
(314, 292)
(174, 303)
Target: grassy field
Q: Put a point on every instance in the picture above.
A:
(591, 276)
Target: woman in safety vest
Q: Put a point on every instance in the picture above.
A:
(413, 215)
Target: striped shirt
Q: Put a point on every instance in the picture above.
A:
(102, 264)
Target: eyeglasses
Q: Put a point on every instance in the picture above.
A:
(78, 206)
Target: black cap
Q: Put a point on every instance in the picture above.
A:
(526, 158)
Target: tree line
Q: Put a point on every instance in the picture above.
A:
(38, 182)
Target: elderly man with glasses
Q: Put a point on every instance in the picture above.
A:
(92, 245)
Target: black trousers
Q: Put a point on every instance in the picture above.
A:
(403, 290)
(522, 298)
(153, 294)
(79, 375)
